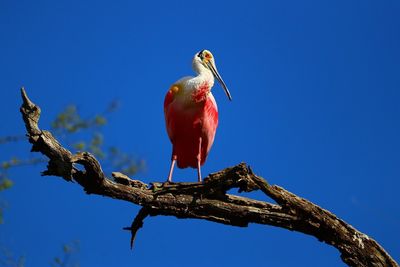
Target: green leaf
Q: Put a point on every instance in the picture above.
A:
(5, 165)
(79, 146)
(67, 249)
(57, 260)
(5, 183)
(100, 120)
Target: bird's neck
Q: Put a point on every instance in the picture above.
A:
(204, 75)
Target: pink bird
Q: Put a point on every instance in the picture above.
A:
(191, 114)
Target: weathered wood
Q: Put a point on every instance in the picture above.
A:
(208, 200)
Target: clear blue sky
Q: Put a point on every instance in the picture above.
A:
(315, 109)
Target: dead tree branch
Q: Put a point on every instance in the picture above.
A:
(137, 223)
(208, 200)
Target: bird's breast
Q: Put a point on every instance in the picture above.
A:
(201, 92)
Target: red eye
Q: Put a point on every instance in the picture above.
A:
(208, 56)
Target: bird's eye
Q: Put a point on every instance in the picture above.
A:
(200, 54)
(207, 55)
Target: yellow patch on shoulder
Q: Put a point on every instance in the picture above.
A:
(175, 88)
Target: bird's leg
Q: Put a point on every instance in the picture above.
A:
(198, 161)
(173, 160)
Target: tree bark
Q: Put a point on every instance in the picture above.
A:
(207, 200)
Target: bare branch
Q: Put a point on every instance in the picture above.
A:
(137, 223)
(208, 200)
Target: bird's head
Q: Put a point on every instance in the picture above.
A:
(205, 59)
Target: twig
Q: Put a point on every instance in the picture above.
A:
(137, 223)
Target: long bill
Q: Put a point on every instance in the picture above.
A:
(214, 71)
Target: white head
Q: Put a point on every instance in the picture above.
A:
(203, 61)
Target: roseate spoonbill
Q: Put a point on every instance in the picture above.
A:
(191, 114)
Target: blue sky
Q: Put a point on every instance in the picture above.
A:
(315, 88)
